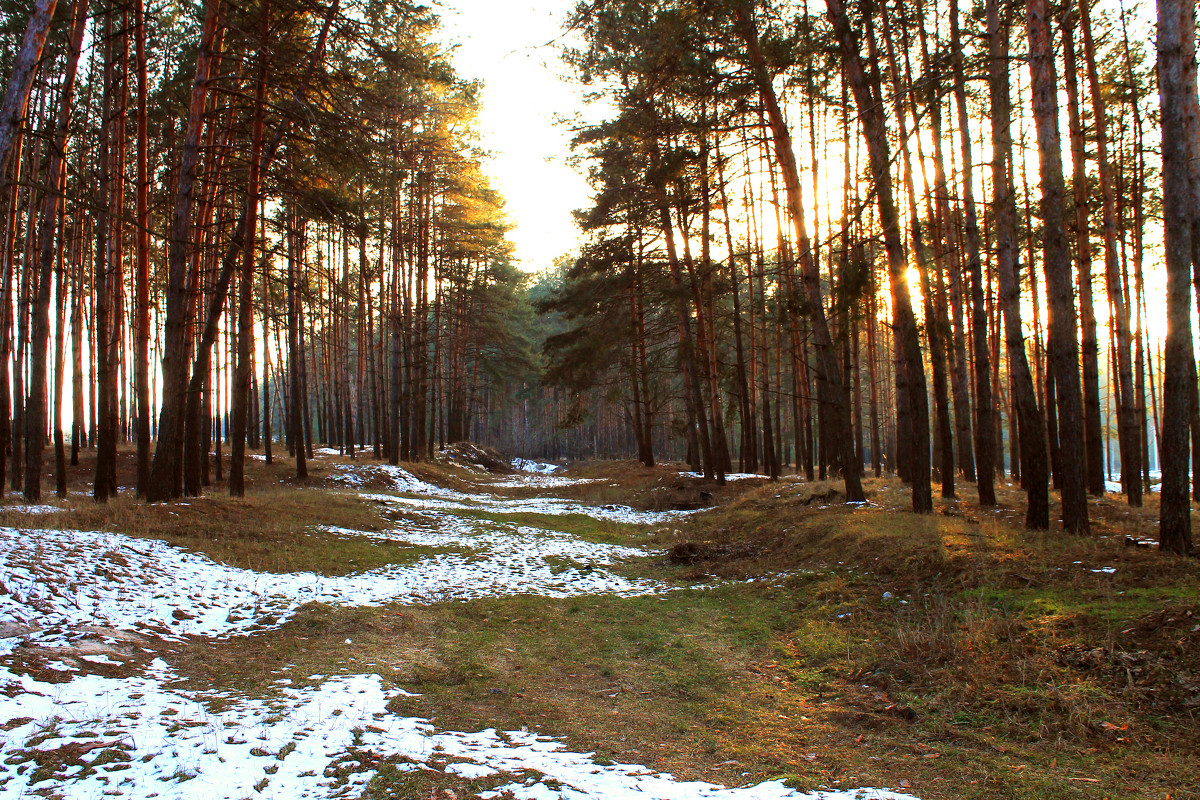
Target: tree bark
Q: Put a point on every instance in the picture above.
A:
(16, 94)
(1031, 423)
(52, 199)
(1063, 350)
(1093, 437)
(1177, 79)
(868, 98)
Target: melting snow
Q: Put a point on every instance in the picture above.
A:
(525, 465)
(314, 742)
(732, 476)
(50, 579)
(535, 481)
(144, 736)
(401, 479)
(553, 506)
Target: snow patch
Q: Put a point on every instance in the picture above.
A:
(150, 740)
(525, 465)
(732, 476)
(552, 506)
(529, 480)
(61, 580)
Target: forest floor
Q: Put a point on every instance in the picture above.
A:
(441, 631)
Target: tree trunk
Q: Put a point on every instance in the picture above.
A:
(267, 433)
(294, 333)
(16, 94)
(868, 98)
(52, 199)
(1031, 423)
(1127, 422)
(985, 450)
(245, 330)
(1092, 433)
(166, 472)
(836, 408)
(141, 302)
(1063, 349)
(1177, 80)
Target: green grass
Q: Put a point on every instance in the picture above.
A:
(582, 526)
(997, 668)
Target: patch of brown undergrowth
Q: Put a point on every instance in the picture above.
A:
(1035, 648)
(278, 528)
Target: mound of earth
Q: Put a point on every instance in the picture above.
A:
(474, 456)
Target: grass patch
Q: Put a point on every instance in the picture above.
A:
(581, 526)
(275, 529)
(953, 655)
(972, 657)
(635, 679)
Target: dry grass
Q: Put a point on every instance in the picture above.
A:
(954, 654)
(658, 488)
(998, 664)
(274, 528)
(1008, 651)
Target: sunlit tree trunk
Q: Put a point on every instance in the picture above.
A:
(1063, 344)
(1034, 466)
(20, 81)
(52, 202)
(868, 98)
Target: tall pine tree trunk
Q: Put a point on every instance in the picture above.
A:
(985, 449)
(868, 98)
(166, 471)
(141, 302)
(1031, 423)
(1063, 349)
(836, 406)
(1177, 80)
(1092, 433)
(1127, 420)
(245, 329)
(52, 201)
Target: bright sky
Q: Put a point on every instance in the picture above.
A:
(513, 48)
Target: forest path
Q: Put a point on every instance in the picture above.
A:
(138, 669)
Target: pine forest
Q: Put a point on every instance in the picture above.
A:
(908, 286)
